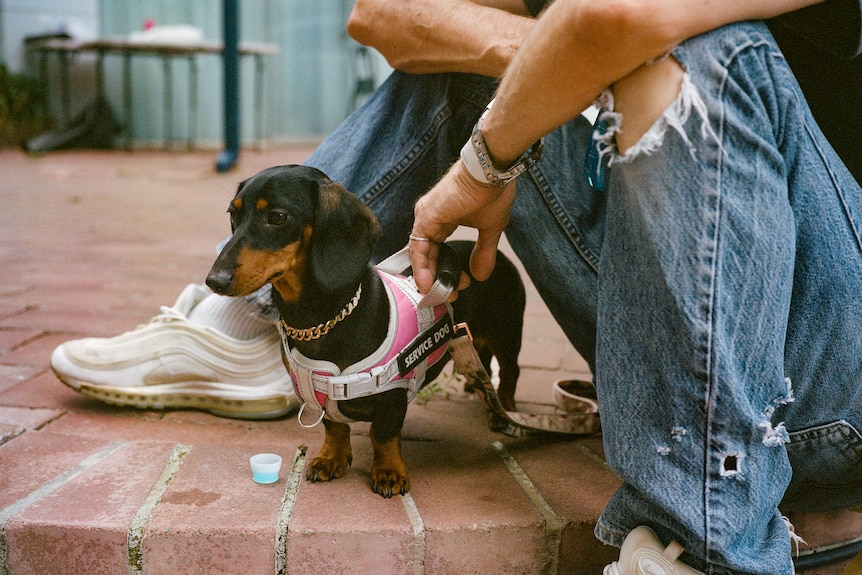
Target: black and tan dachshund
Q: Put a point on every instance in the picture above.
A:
(312, 240)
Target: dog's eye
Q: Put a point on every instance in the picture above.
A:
(276, 217)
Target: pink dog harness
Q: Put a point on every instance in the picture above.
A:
(420, 328)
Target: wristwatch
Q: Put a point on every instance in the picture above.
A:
(478, 162)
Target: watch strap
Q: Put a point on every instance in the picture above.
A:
(478, 161)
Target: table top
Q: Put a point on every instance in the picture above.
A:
(121, 45)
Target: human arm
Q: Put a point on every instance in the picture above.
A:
(581, 47)
(431, 36)
(576, 49)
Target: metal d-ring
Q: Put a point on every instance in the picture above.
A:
(313, 425)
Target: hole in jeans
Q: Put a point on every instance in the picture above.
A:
(730, 465)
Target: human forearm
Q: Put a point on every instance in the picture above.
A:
(581, 47)
(429, 36)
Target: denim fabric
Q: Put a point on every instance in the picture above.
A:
(715, 282)
(728, 356)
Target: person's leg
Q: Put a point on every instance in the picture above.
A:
(557, 229)
(728, 286)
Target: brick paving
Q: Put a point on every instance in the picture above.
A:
(91, 244)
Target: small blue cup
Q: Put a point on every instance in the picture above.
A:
(265, 467)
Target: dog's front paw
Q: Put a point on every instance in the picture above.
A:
(324, 468)
(388, 481)
(335, 455)
(388, 472)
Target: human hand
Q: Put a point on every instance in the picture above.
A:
(459, 199)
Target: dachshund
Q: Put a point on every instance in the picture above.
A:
(313, 240)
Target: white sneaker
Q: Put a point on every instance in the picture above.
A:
(642, 553)
(171, 362)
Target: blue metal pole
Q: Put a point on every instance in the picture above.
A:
(230, 57)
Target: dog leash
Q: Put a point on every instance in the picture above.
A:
(581, 415)
(580, 412)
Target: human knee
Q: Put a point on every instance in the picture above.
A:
(641, 97)
(640, 110)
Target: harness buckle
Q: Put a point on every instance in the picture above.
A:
(339, 385)
(465, 327)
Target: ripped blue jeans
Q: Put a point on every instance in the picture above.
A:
(714, 289)
(729, 354)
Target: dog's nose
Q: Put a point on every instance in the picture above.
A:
(220, 281)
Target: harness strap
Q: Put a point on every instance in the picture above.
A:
(350, 385)
(400, 261)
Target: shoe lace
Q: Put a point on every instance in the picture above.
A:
(166, 314)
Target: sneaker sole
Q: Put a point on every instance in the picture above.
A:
(255, 408)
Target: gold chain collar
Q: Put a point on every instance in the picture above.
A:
(322, 329)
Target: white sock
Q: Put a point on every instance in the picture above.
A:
(233, 316)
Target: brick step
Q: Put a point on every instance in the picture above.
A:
(106, 494)
(91, 493)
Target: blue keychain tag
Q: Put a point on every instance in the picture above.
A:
(595, 164)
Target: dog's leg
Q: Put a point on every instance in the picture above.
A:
(389, 472)
(509, 373)
(335, 456)
(507, 361)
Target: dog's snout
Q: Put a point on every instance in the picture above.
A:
(220, 281)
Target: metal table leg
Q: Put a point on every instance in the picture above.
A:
(168, 96)
(258, 100)
(228, 158)
(193, 102)
(65, 62)
(127, 97)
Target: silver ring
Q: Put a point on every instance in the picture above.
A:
(419, 239)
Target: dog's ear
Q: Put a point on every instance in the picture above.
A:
(234, 205)
(345, 232)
